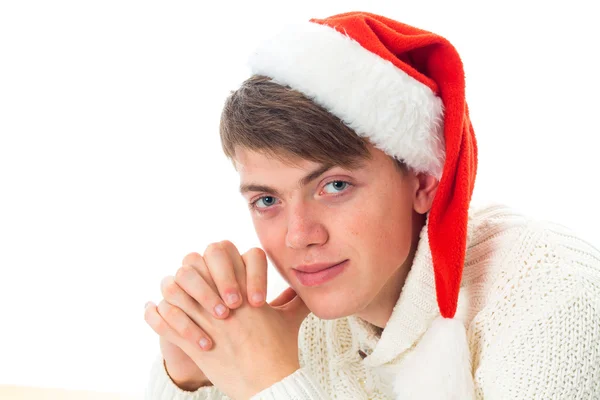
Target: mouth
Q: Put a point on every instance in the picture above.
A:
(318, 274)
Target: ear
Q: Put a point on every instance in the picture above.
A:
(426, 187)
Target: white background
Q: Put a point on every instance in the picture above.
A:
(111, 169)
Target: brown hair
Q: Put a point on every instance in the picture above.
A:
(275, 120)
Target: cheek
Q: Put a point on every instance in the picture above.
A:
(266, 229)
(384, 233)
(272, 239)
(388, 238)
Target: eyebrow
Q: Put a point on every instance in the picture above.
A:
(311, 176)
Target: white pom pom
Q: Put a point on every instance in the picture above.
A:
(439, 367)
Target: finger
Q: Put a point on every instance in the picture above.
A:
(239, 268)
(183, 326)
(222, 271)
(284, 297)
(255, 262)
(188, 282)
(197, 261)
(168, 323)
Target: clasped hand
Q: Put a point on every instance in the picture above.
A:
(214, 311)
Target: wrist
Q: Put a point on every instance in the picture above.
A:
(185, 381)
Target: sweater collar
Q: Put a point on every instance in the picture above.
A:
(412, 315)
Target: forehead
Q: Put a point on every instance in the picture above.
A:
(249, 162)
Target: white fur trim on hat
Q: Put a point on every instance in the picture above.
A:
(398, 114)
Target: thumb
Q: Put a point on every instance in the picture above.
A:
(295, 311)
(284, 297)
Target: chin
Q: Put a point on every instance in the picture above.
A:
(331, 308)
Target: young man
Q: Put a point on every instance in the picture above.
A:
(358, 161)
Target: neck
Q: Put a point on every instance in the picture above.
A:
(379, 310)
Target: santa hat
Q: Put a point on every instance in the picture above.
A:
(403, 88)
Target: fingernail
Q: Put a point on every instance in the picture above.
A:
(220, 310)
(233, 298)
(257, 298)
(146, 305)
(203, 343)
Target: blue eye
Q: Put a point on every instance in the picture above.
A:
(265, 202)
(336, 186)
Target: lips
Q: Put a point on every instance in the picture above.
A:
(318, 274)
(313, 268)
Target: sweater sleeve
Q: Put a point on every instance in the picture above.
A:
(539, 335)
(161, 387)
(297, 386)
(557, 357)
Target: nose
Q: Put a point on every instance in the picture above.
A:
(304, 228)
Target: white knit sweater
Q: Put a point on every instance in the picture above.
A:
(530, 300)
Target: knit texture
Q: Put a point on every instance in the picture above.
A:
(529, 298)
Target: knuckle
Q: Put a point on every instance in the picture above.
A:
(200, 268)
(212, 248)
(165, 285)
(255, 260)
(227, 245)
(257, 252)
(184, 272)
(188, 332)
(171, 290)
(171, 313)
(191, 258)
(205, 298)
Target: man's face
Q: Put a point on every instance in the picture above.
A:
(337, 236)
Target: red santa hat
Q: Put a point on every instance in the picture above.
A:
(403, 88)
